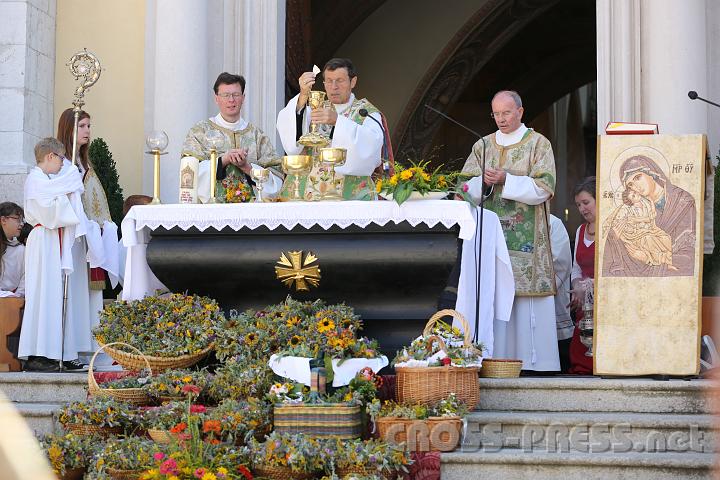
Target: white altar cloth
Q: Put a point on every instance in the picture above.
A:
(497, 289)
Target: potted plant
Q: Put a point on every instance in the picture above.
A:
(417, 182)
(167, 386)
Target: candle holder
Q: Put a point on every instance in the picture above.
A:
(215, 141)
(260, 175)
(587, 324)
(157, 142)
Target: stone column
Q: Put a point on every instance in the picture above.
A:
(618, 62)
(673, 61)
(27, 43)
(176, 80)
(258, 34)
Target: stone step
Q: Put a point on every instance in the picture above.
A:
(519, 465)
(594, 394)
(599, 432)
(35, 387)
(39, 416)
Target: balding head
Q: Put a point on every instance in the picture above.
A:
(507, 110)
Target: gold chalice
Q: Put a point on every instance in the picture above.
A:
(296, 165)
(313, 138)
(260, 175)
(332, 157)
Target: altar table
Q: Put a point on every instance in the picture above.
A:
(390, 262)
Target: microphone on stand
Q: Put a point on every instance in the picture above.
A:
(479, 236)
(694, 96)
(386, 164)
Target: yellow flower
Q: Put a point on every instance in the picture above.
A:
(378, 185)
(173, 477)
(425, 176)
(251, 338)
(406, 175)
(293, 321)
(209, 476)
(222, 471)
(171, 324)
(394, 180)
(187, 379)
(296, 340)
(325, 325)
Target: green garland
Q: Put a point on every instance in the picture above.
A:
(106, 170)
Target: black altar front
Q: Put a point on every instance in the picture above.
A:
(392, 275)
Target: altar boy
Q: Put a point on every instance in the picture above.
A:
(53, 206)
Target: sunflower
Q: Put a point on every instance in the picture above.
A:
(296, 340)
(251, 338)
(293, 321)
(325, 325)
(394, 180)
(379, 185)
(406, 175)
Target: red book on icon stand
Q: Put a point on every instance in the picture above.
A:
(626, 128)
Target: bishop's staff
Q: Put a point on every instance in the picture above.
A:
(86, 67)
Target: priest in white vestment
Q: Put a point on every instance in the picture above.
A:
(351, 123)
(517, 180)
(12, 252)
(244, 148)
(54, 249)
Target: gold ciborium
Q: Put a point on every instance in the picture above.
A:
(313, 138)
(296, 165)
(332, 157)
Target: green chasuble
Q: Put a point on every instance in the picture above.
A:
(351, 187)
(260, 152)
(525, 226)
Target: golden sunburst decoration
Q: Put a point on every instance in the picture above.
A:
(293, 268)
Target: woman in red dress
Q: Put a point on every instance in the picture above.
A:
(583, 271)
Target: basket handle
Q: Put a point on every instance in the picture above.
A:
(455, 314)
(92, 383)
(435, 338)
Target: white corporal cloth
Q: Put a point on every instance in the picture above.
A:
(298, 368)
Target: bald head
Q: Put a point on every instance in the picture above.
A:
(507, 110)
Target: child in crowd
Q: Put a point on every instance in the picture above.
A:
(53, 206)
(12, 252)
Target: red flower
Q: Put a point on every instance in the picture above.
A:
(199, 473)
(445, 361)
(212, 426)
(191, 389)
(169, 467)
(180, 427)
(363, 184)
(465, 187)
(198, 409)
(245, 472)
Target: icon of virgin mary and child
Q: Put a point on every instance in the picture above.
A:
(652, 233)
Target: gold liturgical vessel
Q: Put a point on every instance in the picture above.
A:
(332, 157)
(296, 165)
(156, 142)
(313, 138)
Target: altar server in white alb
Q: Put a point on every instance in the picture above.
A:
(53, 205)
(244, 147)
(345, 120)
(518, 180)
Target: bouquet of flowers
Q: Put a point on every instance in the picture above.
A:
(215, 462)
(238, 419)
(238, 380)
(236, 190)
(169, 415)
(298, 453)
(133, 380)
(416, 178)
(100, 412)
(455, 354)
(447, 407)
(372, 456)
(165, 326)
(170, 382)
(128, 453)
(69, 451)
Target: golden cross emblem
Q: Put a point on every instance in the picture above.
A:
(298, 270)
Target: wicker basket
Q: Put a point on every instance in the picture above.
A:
(433, 434)
(500, 368)
(85, 430)
(131, 361)
(159, 435)
(429, 385)
(73, 474)
(365, 472)
(324, 420)
(117, 474)
(280, 473)
(136, 396)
